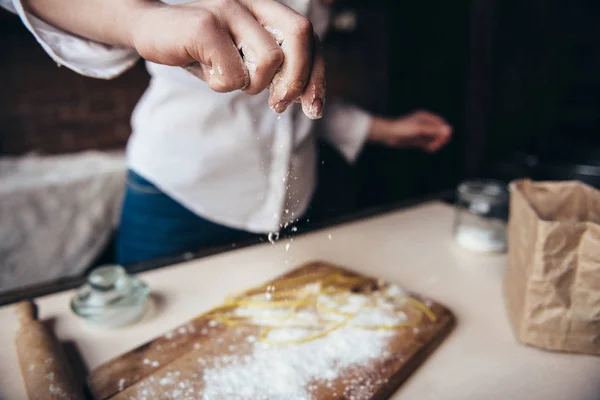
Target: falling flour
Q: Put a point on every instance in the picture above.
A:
(273, 237)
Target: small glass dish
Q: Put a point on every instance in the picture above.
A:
(110, 298)
(481, 215)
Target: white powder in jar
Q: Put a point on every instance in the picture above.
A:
(480, 240)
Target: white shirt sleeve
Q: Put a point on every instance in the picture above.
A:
(346, 127)
(83, 56)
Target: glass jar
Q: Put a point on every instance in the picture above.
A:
(481, 216)
(110, 298)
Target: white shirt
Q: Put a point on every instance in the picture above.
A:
(226, 157)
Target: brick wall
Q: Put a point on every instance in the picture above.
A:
(49, 109)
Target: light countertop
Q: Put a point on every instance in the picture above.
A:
(413, 248)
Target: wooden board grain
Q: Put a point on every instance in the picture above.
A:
(176, 354)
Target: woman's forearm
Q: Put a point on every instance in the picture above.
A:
(105, 21)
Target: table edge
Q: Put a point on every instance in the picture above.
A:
(38, 290)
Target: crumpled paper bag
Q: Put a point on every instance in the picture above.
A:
(552, 281)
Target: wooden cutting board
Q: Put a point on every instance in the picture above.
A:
(317, 332)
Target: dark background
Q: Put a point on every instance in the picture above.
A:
(518, 80)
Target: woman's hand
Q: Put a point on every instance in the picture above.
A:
(238, 44)
(421, 129)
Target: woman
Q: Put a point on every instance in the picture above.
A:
(214, 158)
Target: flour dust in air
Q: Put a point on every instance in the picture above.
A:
(273, 237)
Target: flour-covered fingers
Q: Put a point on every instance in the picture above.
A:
(294, 33)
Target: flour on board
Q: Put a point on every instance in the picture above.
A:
(292, 371)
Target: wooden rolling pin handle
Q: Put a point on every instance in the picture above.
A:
(44, 366)
(27, 312)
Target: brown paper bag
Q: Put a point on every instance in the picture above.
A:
(552, 281)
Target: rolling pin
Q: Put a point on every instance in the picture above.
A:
(44, 366)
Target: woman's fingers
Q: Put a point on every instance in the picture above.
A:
(313, 97)
(239, 44)
(433, 135)
(433, 119)
(217, 56)
(261, 54)
(294, 33)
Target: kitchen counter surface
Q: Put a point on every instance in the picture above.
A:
(411, 247)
